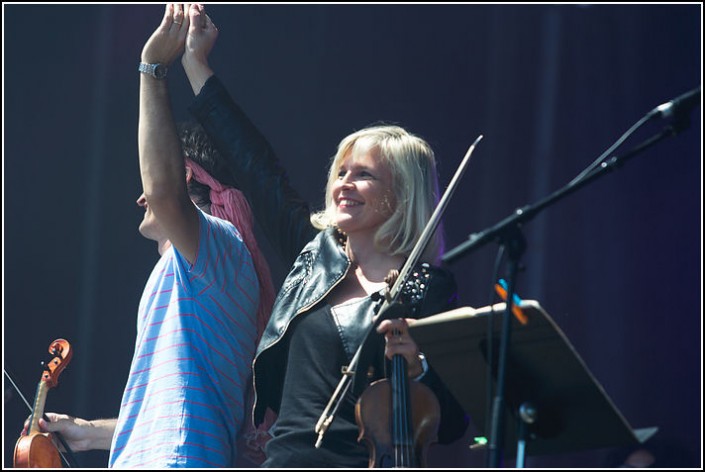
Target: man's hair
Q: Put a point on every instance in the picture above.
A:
(197, 146)
(414, 183)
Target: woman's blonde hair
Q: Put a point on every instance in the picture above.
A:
(414, 184)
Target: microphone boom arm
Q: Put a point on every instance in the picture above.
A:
(526, 213)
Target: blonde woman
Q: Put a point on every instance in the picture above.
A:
(382, 189)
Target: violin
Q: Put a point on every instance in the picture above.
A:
(37, 449)
(398, 419)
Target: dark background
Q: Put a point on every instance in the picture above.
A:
(617, 264)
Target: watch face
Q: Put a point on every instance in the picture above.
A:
(160, 71)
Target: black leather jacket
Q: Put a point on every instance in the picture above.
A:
(319, 262)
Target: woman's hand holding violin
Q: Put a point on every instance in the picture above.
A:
(399, 341)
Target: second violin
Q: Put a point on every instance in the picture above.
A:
(37, 449)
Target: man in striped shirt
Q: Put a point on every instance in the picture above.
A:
(203, 307)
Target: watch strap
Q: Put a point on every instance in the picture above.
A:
(156, 70)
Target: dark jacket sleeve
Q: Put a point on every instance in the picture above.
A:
(442, 296)
(277, 207)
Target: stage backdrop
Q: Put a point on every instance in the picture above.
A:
(617, 264)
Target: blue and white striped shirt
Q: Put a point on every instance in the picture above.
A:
(183, 404)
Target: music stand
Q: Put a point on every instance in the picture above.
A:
(543, 369)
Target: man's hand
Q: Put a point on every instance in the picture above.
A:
(79, 434)
(168, 40)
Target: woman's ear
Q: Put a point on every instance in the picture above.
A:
(189, 174)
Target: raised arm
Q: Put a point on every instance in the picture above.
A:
(161, 159)
(278, 208)
(201, 38)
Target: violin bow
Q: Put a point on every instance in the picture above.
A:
(69, 458)
(341, 390)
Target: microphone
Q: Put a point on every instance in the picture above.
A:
(679, 106)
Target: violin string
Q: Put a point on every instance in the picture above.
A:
(402, 456)
(397, 414)
(407, 416)
(404, 412)
(396, 407)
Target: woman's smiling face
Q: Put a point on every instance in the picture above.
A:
(363, 193)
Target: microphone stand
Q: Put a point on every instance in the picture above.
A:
(515, 244)
(508, 233)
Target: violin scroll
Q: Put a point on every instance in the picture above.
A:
(36, 449)
(62, 352)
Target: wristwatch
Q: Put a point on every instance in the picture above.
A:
(424, 366)
(158, 71)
